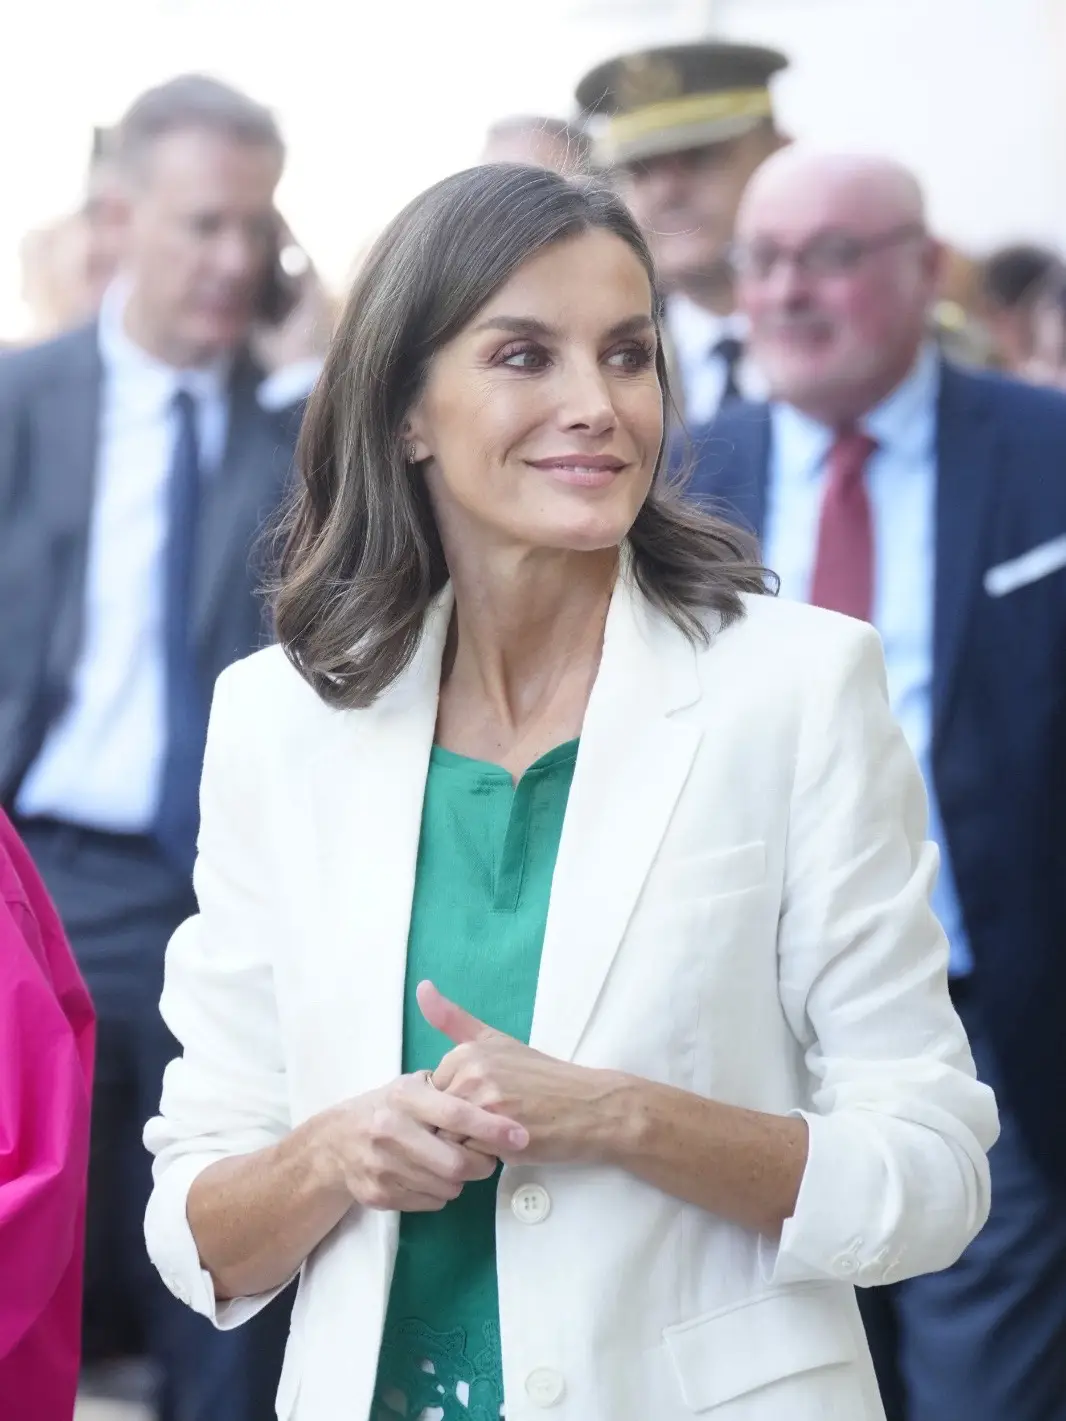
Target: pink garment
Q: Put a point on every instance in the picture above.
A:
(46, 1054)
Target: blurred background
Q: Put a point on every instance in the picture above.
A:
(377, 100)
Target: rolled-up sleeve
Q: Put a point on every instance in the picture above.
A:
(897, 1181)
(226, 1094)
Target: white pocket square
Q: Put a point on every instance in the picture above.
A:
(1038, 562)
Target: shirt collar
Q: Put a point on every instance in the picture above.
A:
(695, 332)
(156, 382)
(904, 421)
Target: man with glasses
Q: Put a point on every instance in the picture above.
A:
(683, 128)
(891, 486)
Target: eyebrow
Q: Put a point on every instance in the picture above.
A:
(530, 326)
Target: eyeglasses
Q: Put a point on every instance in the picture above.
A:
(831, 254)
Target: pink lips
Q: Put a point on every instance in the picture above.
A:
(581, 470)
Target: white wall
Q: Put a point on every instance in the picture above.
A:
(380, 97)
(968, 92)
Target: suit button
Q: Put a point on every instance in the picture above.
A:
(531, 1204)
(545, 1387)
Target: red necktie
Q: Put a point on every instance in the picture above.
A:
(844, 564)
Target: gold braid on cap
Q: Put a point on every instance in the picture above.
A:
(692, 109)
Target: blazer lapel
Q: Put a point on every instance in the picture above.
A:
(64, 439)
(966, 464)
(732, 464)
(632, 763)
(366, 788)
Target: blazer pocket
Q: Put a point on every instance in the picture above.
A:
(711, 875)
(1037, 563)
(780, 1334)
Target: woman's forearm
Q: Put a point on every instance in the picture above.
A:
(742, 1165)
(256, 1217)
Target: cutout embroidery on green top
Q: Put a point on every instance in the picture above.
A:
(486, 858)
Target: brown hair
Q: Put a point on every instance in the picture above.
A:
(361, 556)
(190, 101)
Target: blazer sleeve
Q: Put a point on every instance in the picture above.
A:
(897, 1180)
(226, 1094)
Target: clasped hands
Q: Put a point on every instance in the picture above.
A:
(414, 1144)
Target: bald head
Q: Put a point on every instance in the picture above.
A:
(848, 187)
(836, 273)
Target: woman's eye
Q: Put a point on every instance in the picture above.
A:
(632, 358)
(524, 357)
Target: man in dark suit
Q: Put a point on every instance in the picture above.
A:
(891, 486)
(139, 458)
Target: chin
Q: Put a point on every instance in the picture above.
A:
(589, 534)
(681, 264)
(795, 376)
(219, 337)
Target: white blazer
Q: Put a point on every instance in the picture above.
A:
(740, 908)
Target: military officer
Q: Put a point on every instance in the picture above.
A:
(683, 128)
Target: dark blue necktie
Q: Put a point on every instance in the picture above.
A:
(177, 818)
(731, 352)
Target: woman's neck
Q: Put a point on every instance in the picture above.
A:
(523, 651)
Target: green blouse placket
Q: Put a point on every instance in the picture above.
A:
(485, 864)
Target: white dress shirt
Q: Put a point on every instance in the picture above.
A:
(694, 333)
(101, 762)
(901, 482)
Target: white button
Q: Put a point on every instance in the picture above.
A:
(847, 1264)
(531, 1204)
(545, 1387)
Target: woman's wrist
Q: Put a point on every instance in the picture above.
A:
(619, 1120)
(322, 1167)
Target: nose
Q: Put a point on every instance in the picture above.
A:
(789, 282)
(587, 406)
(238, 254)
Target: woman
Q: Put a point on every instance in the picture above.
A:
(46, 1057)
(564, 1003)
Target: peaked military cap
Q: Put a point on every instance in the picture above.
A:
(680, 96)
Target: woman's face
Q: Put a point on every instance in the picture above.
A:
(540, 423)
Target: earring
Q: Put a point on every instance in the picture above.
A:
(410, 453)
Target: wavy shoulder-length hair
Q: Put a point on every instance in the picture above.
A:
(361, 558)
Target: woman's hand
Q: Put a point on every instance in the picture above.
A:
(386, 1147)
(562, 1106)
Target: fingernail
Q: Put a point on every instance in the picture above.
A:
(518, 1137)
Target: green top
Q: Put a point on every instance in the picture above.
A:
(485, 863)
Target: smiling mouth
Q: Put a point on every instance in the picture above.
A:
(581, 472)
(580, 464)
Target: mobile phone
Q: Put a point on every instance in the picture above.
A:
(280, 288)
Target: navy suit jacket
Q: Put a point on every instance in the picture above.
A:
(999, 704)
(50, 400)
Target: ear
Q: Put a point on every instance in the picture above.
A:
(936, 260)
(415, 447)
